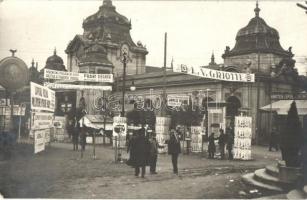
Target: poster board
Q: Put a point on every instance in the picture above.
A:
(196, 138)
(119, 131)
(39, 141)
(243, 138)
(41, 120)
(42, 98)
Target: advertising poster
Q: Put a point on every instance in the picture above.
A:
(196, 138)
(41, 120)
(39, 141)
(42, 98)
(120, 131)
(243, 138)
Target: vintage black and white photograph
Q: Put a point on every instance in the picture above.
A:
(144, 99)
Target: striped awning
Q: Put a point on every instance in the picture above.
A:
(282, 107)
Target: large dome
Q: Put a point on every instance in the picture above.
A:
(256, 37)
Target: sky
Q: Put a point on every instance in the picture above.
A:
(195, 29)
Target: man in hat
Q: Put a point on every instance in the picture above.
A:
(153, 152)
(174, 149)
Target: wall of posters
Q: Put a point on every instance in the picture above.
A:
(196, 138)
(243, 138)
(162, 132)
(42, 98)
(119, 131)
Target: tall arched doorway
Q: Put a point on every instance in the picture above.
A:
(232, 109)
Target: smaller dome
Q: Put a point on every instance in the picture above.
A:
(55, 58)
(55, 62)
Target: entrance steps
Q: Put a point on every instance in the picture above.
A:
(266, 178)
(298, 194)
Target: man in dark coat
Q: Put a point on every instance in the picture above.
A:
(230, 141)
(153, 153)
(211, 146)
(75, 134)
(174, 149)
(222, 141)
(273, 140)
(131, 149)
(141, 150)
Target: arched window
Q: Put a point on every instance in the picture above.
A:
(233, 105)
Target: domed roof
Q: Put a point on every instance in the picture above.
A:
(55, 58)
(55, 62)
(107, 13)
(257, 36)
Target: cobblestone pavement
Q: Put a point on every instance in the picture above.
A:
(59, 172)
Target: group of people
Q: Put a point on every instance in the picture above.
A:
(143, 149)
(223, 140)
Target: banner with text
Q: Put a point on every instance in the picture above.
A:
(215, 74)
(177, 100)
(42, 98)
(243, 138)
(74, 76)
(41, 120)
(76, 87)
(17, 110)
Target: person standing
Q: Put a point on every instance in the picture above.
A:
(273, 140)
(211, 146)
(222, 140)
(174, 149)
(141, 151)
(153, 153)
(230, 141)
(75, 135)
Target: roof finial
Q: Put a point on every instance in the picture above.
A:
(13, 51)
(54, 51)
(257, 9)
(32, 63)
(107, 2)
(212, 57)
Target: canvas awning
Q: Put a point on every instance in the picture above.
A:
(282, 107)
(96, 122)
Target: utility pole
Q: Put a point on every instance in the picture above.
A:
(163, 111)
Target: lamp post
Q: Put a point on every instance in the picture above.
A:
(207, 113)
(124, 81)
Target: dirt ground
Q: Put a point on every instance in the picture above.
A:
(59, 172)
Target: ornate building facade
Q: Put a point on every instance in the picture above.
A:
(257, 50)
(111, 31)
